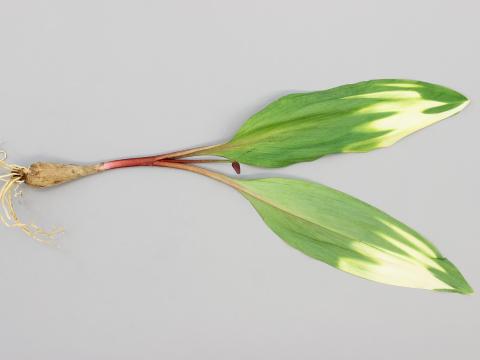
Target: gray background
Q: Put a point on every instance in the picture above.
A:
(158, 264)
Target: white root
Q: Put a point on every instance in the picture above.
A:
(13, 179)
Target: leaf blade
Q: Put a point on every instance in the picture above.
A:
(350, 235)
(350, 118)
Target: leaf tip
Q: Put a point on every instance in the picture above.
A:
(464, 289)
(453, 278)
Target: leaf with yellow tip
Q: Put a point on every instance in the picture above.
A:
(351, 118)
(350, 235)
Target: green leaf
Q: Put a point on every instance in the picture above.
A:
(351, 118)
(350, 235)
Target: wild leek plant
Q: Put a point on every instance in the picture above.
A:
(321, 222)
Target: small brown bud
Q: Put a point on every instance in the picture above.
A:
(236, 167)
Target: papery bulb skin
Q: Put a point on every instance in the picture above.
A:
(43, 174)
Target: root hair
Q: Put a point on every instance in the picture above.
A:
(13, 179)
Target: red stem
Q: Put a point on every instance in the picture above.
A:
(122, 163)
(149, 160)
(118, 164)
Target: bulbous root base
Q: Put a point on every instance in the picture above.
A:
(37, 175)
(49, 174)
